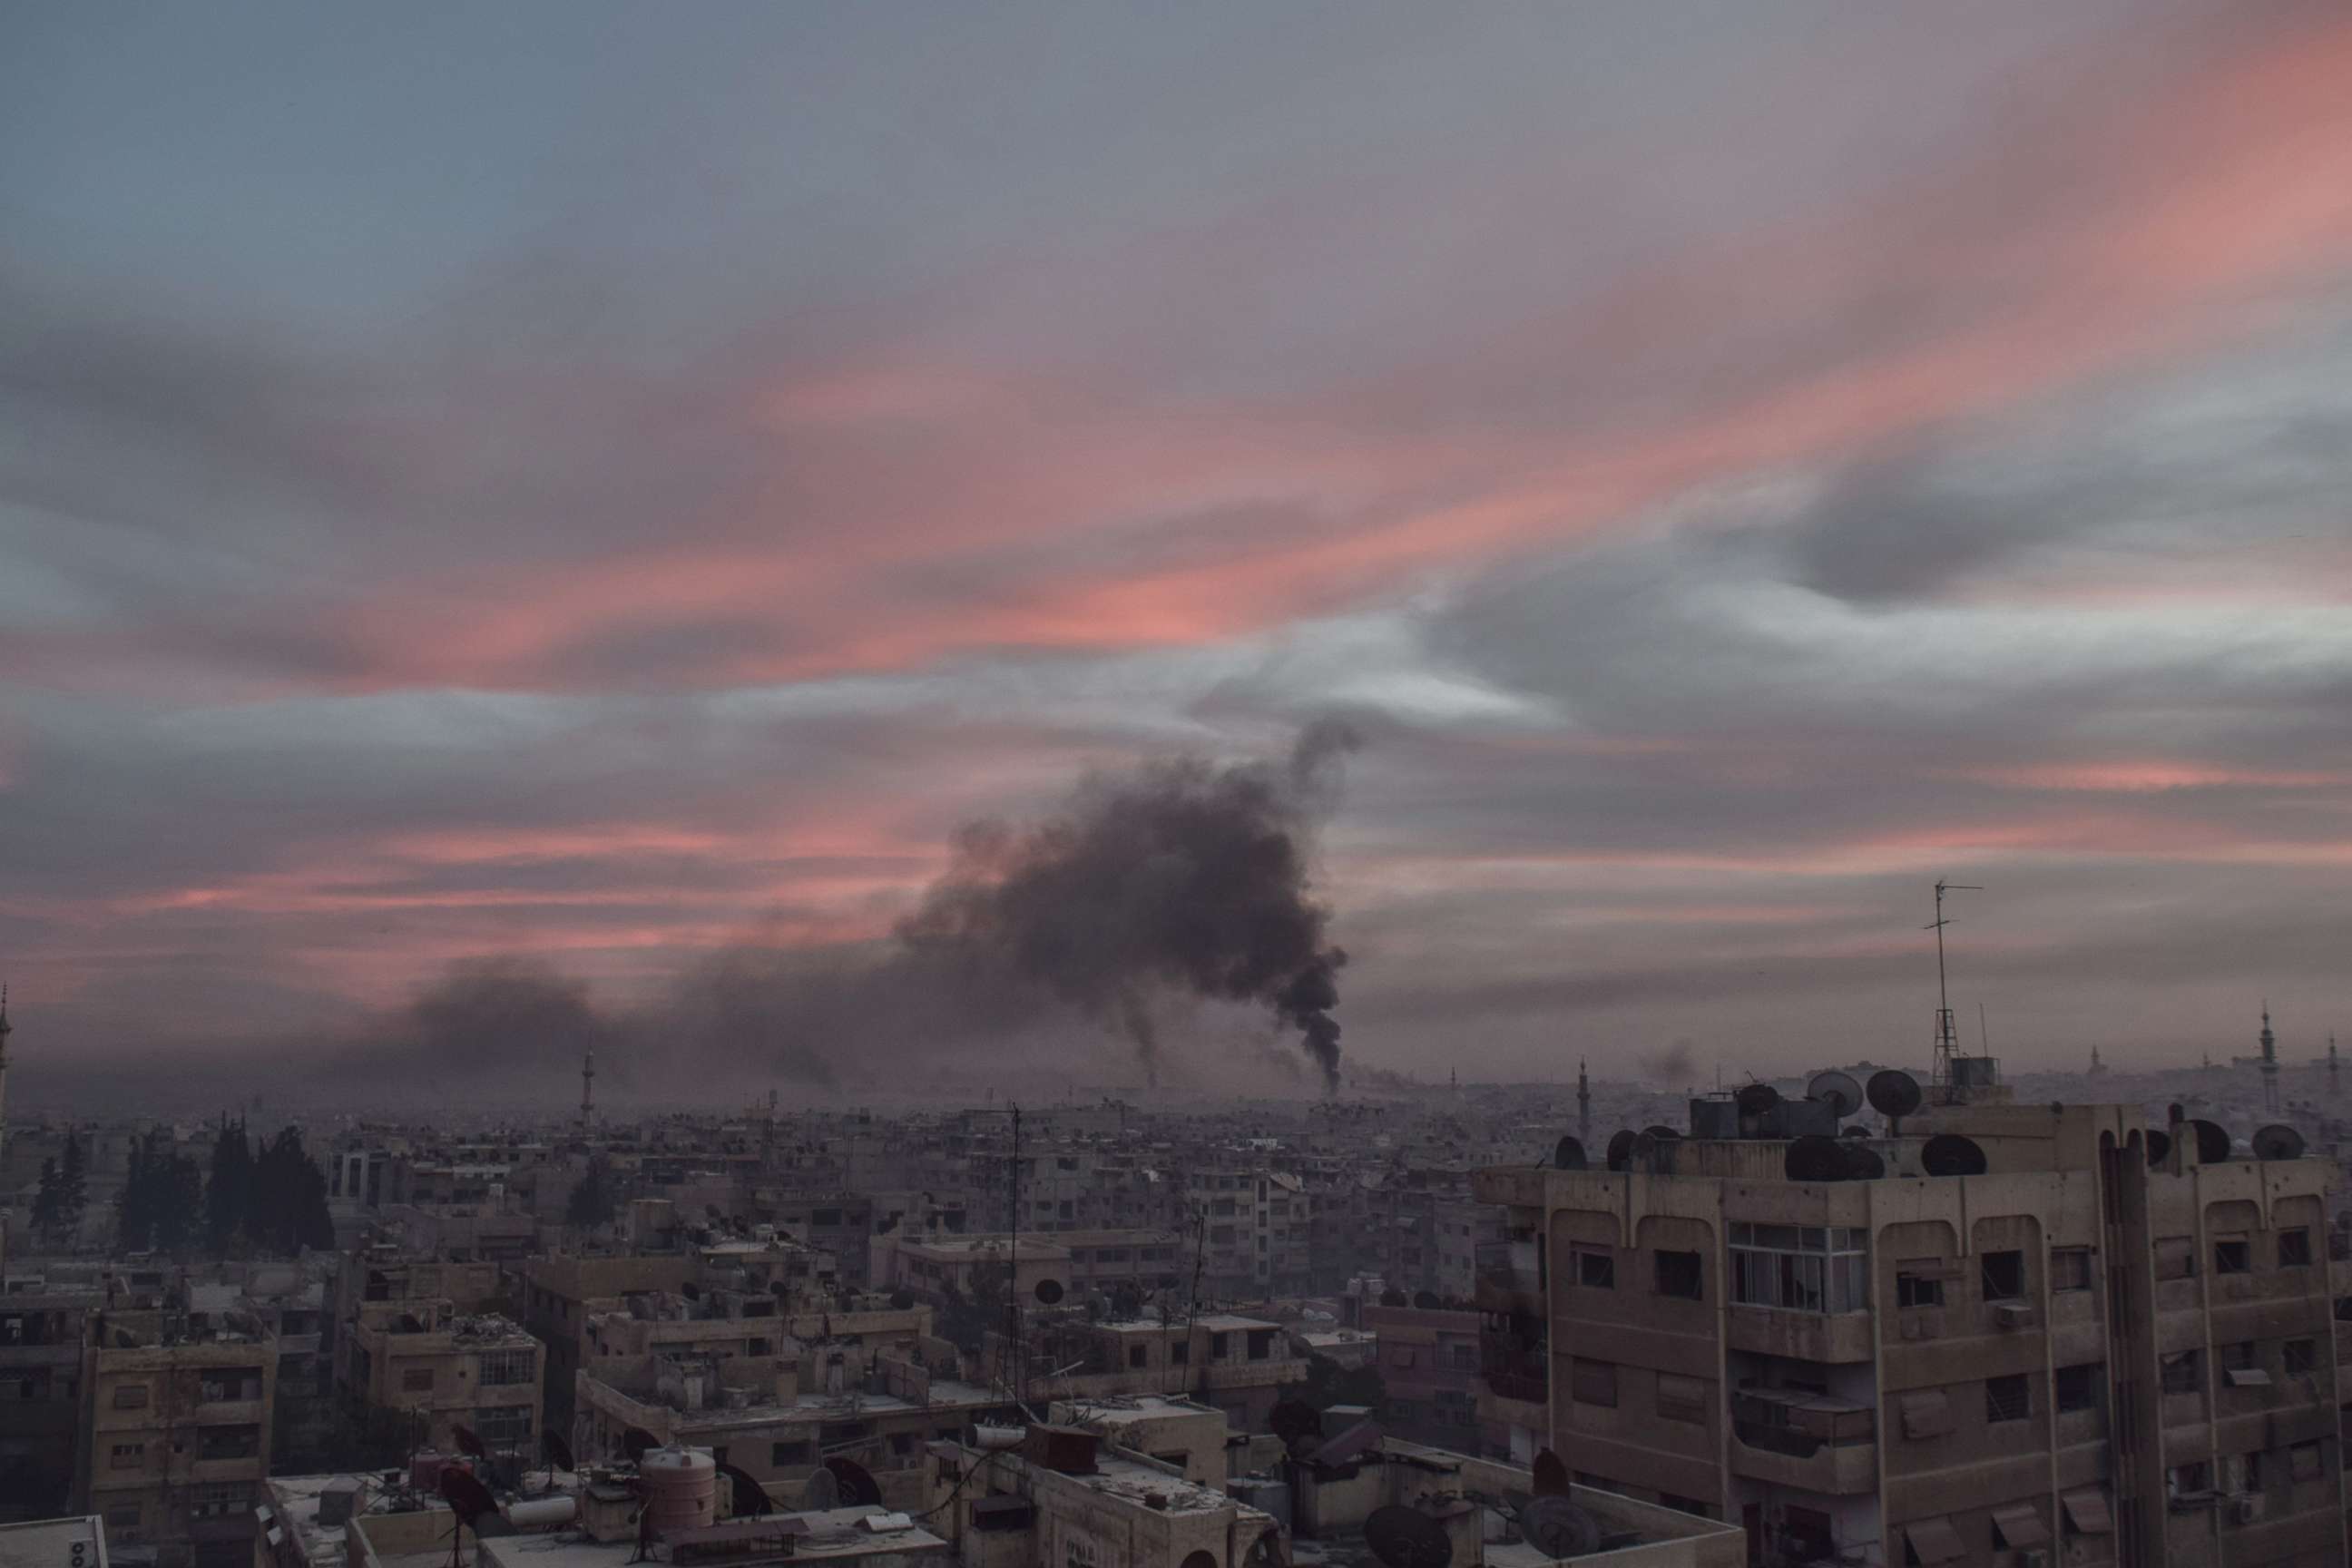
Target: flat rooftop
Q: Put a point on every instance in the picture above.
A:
(51, 1542)
(835, 1533)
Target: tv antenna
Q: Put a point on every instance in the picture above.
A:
(1947, 1044)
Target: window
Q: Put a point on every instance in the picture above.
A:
(2008, 1398)
(824, 1219)
(2184, 1480)
(2180, 1373)
(2298, 1356)
(416, 1380)
(1179, 1352)
(2303, 1462)
(1596, 1267)
(2232, 1257)
(1592, 1382)
(129, 1456)
(1803, 1269)
(1216, 1347)
(1681, 1398)
(228, 1442)
(2004, 1276)
(131, 1396)
(1678, 1275)
(2077, 1388)
(2070, 1268)
(2295, 1248)
(503, 1426)
(507, 1366)
(1917, 1290)
(784, 1454)
(1136, 1355)
(756, 1346)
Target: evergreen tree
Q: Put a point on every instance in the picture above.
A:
(229, 1194)
(288, 1207)
(135, 1208)
(591, 1203)
(46, 1204)
(73, 1187)
(179, 1201)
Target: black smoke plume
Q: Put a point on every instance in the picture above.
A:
(1173, 882)
(1183, 877)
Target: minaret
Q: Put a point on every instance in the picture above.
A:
(2331, 1066)
(588, 1088)
(2097, 1066)
(1583, 1105)
(2270, 1065)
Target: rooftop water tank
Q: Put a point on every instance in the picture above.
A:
(681, 1488)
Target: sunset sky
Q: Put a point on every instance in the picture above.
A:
(603, 485)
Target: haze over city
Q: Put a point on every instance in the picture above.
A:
(505, 519)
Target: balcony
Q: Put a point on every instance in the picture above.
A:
(1805, 1441)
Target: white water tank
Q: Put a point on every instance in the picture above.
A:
(681, 1488)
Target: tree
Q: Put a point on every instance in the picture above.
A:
(134, 1206)
(287, 1210)
(46, 1205)
(1328, 1383)
(591, 1203)
(229, 1194)
(73, 1189)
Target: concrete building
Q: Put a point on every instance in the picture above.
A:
(1239, 1366)
(442, 1369)
(560, 1294)
(933, 1265)
(43, 1339)
(2103, 1343)
(1429, 1361)
(175, 1434)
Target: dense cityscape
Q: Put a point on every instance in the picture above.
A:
(1822, 1319)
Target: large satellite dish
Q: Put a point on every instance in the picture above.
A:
(1557, 1528)
(1405, 1538)
(1620, 1148)
(1949, 1154)
(635, 1441)
(858, 1489)
(1756, 1098)
(2277, 1141)
(1863, 1162)
(2160, 1146)
(1567, 1154)
(1893, 1092)
(1813, 1158)
(821, 1491)
(1049, 1292)
(1843, 1095)
(558, 1451)
(1552, 1477)
(2212, 1142)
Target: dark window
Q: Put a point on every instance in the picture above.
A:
(2295, 1248)
(2004, 1276)
(2008, 1398)
(1179, 1352)
(781, 1454)
(1679, 1274)
(2344, 1309)
(756, 1347)
(1596, 1267)
(2180, 1374)
(1260, 1344)
(2298, 1355)
(1918, 1290)
(1592, 1382)
(2070, 1268)
(824, 1219)
(2077, 1387)
(1216, 1347)
(1134, 1355)
(2232, 1257)
(2239, 1357)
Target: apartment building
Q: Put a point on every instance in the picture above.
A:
(1254, 1230)
(560, 1294)
(43, 1335)
(1429, 1361)
(1238, 1365)
(2087, 1342)
(441, 1370)
(175, 1434)
(933, 1265)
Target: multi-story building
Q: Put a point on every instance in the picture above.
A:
(2011, 1330)
(1254, 1229)
(1429, 1362)
(440, 1370)
(175, 1434)
(936, 1267)
(43, 1335)
(561, 1294)
(1240, 1366)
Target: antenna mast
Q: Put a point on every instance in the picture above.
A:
(1947, 1044)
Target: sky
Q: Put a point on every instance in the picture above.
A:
(587, 488)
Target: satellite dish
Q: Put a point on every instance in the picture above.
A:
(690, 1291)
(751, 1499)
(1756, 1098)
(2212, 1142)
(1294, 1421)
(1405, 1537)
(469, 1443)
(1949, 1154)
(2160, 1146)
(1662, 1132)
(1863, 1162)
(471, 1501)
(1893, 1092)
(1838, 1088)
(2277, 1141)
(557, 1451)
(1814, 1158)
(1557, 1528)
(1550, 1476)
(1620, 1148)
(1049, 1292)
(858, 1489)
(823, 1491)
(1567, 1154)
(635, 1441)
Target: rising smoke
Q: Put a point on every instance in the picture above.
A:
(1171, 883)
(1675, 1066)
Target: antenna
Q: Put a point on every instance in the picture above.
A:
(1946, 1044)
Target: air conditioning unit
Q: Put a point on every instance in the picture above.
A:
(2245, 1510)
(2013, 1315)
